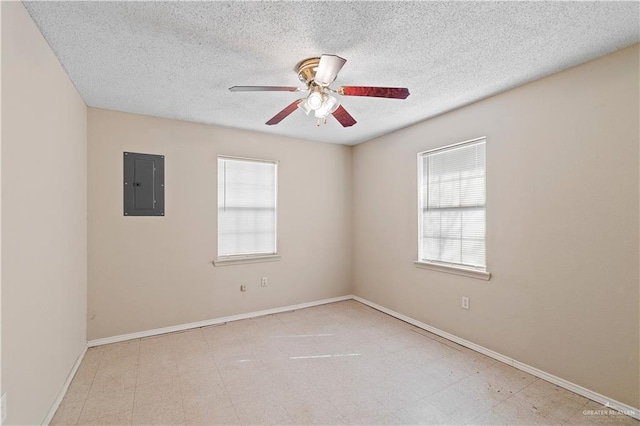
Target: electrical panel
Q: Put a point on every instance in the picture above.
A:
(143, 184)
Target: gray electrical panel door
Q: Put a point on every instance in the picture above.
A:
(143, 184)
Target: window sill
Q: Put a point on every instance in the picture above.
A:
(239, 260)
(456, 270)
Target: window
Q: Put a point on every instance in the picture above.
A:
(247, 213)
(452, 195)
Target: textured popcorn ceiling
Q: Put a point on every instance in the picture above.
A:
(177, 59)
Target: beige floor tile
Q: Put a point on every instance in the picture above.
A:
(445, 373)
(121, 349)
(307, 411)
(270, 325)
(257, 412)
(490, 418)
(237, 353)
(223, 334)
(471, 362)
(101, 404)
(520, 412)
(458, 406)
(94, 355)
(68, 413)
(215, 396)
(387, 419)
(450, 344)
(342, 363)
(121, 362)
(187, 338)
(541, 387)
(217, 416)
(199, 407)
(427, 351)
(161, 391)
(401, 341)
(423, 413)
(358, 404)
(156, 347)
(201, 383)
(78, 391)
(156, 369)
(191, 350)
(87, 370)
(425, 386)
(234, 372)
(506, 377)
(195, 361)
(82, 381)
(295, 387)
(392, 397)
(116, 373)
(115, 419)
(249, 390)
(560, 405)
(159, 414)
(482, 390)
(366, 419)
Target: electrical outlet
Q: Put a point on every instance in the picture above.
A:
(264, 281)
(243, 287)
(3, 408)
(465, 302)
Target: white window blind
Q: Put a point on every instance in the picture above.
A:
(452, 205)
(247, 198)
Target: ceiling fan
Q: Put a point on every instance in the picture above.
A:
(317, 74)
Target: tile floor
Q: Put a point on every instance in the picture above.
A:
(342, 363)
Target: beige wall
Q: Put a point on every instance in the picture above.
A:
(44, 236)
(562, 226)
(151, 272)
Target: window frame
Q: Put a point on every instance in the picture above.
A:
(235, 259)
(448, 267)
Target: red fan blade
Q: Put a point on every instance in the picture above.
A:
(263, 89)
(328, 69)
(284, 113)
(378, 92)
(344, 117)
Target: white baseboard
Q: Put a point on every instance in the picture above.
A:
(63, 391)
(611, 403)
(206, 323)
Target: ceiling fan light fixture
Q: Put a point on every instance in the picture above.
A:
(314, 100)
(321, 113)
(329, 105)
(304, 105)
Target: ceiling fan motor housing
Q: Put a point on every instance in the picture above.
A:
(306, 70)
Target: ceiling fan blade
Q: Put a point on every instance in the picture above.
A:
(264, 89)
(284, 113)
(343, 117)
(328, 69)
(377, 92)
